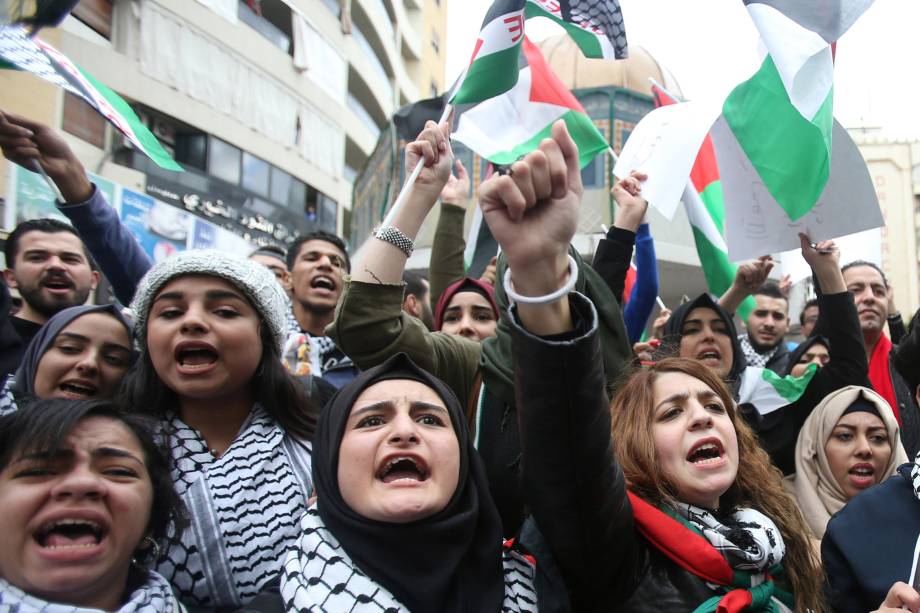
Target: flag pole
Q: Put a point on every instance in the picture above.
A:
(407, 186)
(51, 184)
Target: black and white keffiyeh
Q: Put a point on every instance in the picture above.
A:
(747, 539)
(154, 596)
(7, 401)
(319, 575)
(915, 476)
(750, 354)
(245, 508)
(328, 356)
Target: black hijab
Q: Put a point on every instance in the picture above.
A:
(24, 382)
(804, 346)
(450, 561)
(675, 324)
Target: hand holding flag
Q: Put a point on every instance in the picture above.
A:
(29, 143)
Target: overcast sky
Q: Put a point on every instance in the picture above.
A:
(711, 45)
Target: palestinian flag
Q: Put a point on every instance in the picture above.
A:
(767, 391)
(706, 211)
(596, 26)
(782, 117)
(19, 51)
(504, 128)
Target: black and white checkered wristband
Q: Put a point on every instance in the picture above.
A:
(395, 237)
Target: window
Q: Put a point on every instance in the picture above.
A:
(281, 186)
(82, 120)
(97, 14)
(434, 89)
(592, 175)
(223, 160)
(435, 42)
(255, 174)
(192, 150)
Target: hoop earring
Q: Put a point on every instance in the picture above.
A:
(150, 544)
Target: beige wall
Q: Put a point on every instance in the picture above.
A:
(892, 168)
(434, 14)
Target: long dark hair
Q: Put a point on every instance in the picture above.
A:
(42, 425)
(281, 395)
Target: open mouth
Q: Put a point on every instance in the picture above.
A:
(57, 285)
(709, 355)
(195, 356)
(70, 533)
(862, 474)
(323, 283)
(403, 468)
(80, 389)
(706, 452)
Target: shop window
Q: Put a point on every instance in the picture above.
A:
(224, 160)
(97, 14)
(255, 174)
(81, 120)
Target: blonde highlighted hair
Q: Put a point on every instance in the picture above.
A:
(757, 485)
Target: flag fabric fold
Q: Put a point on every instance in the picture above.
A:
(705, 206)
(504, 128)
(782, 117)
(19, 51)
(596, 26)
(768, 391)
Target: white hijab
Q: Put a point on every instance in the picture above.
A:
(813, 485)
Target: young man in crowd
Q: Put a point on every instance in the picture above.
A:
(870, 290)
(317, 262)
(417, 300)
(763, 344)
(50, 267)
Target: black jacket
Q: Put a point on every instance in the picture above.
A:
(871, 543)
(838, 325)
(573, 486)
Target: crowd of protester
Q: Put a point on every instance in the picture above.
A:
(294, 431)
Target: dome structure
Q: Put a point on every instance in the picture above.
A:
(576, 71)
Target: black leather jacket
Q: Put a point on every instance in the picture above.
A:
(573, 486)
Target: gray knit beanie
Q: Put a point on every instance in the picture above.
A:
(254, 280)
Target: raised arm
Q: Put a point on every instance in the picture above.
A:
(111, 244)
(446, 264)
(614, 252)
(369, 324)
(572, 485)
(748, 278)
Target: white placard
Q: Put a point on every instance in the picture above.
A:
(664, 145)
(756, 225)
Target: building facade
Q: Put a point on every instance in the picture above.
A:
(269, 105)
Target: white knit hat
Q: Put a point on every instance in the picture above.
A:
(253, 279)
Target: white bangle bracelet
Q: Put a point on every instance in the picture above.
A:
(553, 297)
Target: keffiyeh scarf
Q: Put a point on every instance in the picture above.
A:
(7, 401)
(154, 596)
(318, 575)
(322, 353)
(244, 507)
(915, 476)
(750, 354)
(737, 557)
